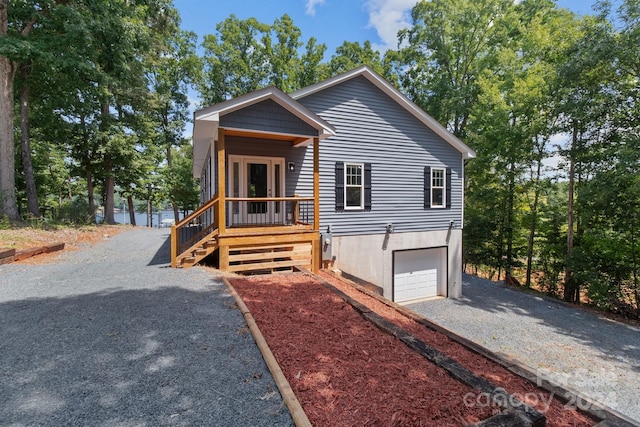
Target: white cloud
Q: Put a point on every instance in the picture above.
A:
(388, 17)
(311, 6)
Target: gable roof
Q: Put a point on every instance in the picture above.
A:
(213, 112)
(393, 93)
(207, 120)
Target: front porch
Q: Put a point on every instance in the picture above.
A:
(258, 159)
(248, 247)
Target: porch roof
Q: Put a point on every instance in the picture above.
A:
(207, 121)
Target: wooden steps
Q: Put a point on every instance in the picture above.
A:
(198, 253)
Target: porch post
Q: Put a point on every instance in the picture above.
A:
(221, 211)
(316, 252)
(316, 183)
(174, 245)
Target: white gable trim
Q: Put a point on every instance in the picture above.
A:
(214, 112)
(386, 87)
(207, 120)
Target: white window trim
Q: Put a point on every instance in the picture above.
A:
(346, 167)
(443, 188)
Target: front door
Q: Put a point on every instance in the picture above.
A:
(257, 178)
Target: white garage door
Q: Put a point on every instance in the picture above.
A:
(419, 274)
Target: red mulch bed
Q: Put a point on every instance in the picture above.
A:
(346, 372)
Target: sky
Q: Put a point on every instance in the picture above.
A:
(330, 21)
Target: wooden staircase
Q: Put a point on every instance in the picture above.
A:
(195, 237)
(198, 252)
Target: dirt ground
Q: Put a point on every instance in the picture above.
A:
(73, 237)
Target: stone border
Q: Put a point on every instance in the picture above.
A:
(607, 415)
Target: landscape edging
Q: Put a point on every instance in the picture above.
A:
(293, 404)
(8, 256)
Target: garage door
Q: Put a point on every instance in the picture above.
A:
(419, 274)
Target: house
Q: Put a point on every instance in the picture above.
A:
(347, 172)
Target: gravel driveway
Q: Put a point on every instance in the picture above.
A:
(110, 336)
(573, 347)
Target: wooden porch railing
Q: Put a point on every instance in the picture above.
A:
(192, 230)
(269, 211)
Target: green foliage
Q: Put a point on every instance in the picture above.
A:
(76, 211)
(181, 188)
(245, 55)
(5, 224)
(450, 44)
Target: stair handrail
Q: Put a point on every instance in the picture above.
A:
(208, 205)
(195, 214)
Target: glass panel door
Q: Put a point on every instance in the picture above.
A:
(256, 177)
(257, 186)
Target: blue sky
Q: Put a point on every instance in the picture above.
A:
(329, 21)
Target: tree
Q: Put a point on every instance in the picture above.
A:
(350, 55)
(235, 60)
(120, 35)
(450, 43)
(15, 26)
(181, 188)
(172, 67)
(246, 55)
(584, 95)
(603, 109)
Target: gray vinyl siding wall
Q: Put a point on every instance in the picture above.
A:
(372, 128)
(267, 116)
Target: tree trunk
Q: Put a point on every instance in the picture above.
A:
(25, 139)
(88, 171)
(109, 189)
(534, 219)
(90, 191)
(107, 167)
(8, 203)
(132, 212)
(176, 213)
(165, 122)
(532, 237)
(149, 213)
(569, 284)
(634, 262)
(510, 203)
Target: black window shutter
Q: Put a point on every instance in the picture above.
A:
(339, 186)
(367, 186)
(427, 187)
(448, 188)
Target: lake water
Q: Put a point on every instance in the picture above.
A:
(141, 218)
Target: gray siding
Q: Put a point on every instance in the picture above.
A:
(267, 116)
(372, 128)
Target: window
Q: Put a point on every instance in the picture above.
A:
(353, 186)
(437, 188)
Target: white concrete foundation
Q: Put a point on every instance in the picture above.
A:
(370, 257)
